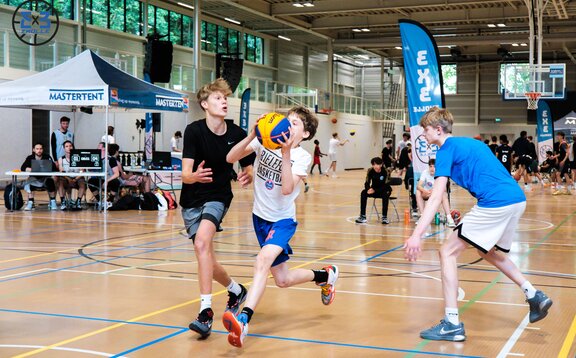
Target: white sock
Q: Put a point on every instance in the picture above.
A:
(234, 287)
(205, 302)
(528, 289)
(452, 315)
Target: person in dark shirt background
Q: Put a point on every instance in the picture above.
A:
(375, 186)
(388, 154)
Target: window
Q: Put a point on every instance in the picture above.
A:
(118, 15)
(64, 8)
(134, 17)
(449, 78)
(187, 31)
(99, 13)
(233, 41)
(162, 20)
(254, 48)
(222, 40)
(209, 36)
(176, 28)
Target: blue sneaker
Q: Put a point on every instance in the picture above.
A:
(203, 324)
(234, 301)
(539, 305)
(237, 326)
(445, 331)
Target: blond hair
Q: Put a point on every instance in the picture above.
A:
(438, 117)
(308, 119)
(218, 85)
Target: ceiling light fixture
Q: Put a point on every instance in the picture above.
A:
(398, 47)
(233, 21)
(337, 56)
(308, 4)
(515, 45)
(284, 38)
(364, 57)
(501, 25)
(491, 25)
(356, 30)
(359, 62)
(365, 30)
(300, 3)
(186, 5)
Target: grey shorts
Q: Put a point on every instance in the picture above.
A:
(213, 211)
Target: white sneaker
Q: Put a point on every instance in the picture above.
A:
(52, 205)
(29, 206)
(63, 206)
(450, 222)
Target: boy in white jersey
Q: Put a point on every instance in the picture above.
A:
(489, 226)
(277, 174)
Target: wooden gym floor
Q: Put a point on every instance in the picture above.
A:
(81, 284)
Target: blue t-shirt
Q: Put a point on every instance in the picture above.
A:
(471, 164)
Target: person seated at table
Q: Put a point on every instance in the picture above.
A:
(113, 181)
(66, 184)
(34, 183)
(375, 186)
(424, 190)
(142, 182)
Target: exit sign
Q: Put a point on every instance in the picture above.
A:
(497, 120)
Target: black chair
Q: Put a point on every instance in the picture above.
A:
(394, 181)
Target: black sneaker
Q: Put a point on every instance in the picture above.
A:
(361, 219)
(539, 305)
(385, 220)
(203, 324)
(234, 301)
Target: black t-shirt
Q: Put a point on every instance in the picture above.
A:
(375, 180)
(201, 144)
(505, 155)
(386, 153)
(521, 146)
(493, 147)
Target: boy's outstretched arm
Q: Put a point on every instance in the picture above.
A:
(243, 148)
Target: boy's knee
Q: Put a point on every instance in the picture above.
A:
(201, 245)
(282, 282)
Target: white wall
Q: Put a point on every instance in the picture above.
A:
(15, 139)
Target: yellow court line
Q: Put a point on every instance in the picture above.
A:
(180, 305)
(147, 236)
(565, 350)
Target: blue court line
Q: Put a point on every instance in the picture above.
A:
(100, 261)
(59, 315)
(158, 340)
(397, 247)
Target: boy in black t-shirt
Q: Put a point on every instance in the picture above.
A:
(388, 154)
(375, 186)
(504, 153)
(207, 194)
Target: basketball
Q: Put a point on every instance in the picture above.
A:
(517, 175)
(270, 129)
(334, 120)
(456, 216)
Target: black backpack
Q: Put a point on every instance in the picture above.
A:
(9, 193)
(127, 202)
(149, 202)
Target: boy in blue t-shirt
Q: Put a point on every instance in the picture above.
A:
(277, 175)
(489, 226)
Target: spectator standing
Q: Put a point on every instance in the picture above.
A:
(59, 136)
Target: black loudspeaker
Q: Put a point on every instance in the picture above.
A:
(158, 60)
(229, 68)
(156, 122)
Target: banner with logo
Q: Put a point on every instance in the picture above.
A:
(245, 109)
(423, 86)
(544, 130)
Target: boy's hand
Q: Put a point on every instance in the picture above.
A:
(245, 177)
(202, 175)
(370, 191)
(412, 248)
(287, 142)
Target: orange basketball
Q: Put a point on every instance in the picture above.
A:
(456, 216)
(517, 175)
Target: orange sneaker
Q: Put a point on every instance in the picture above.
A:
(237, 326)
(328, 289)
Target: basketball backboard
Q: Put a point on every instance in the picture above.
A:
(519, 78)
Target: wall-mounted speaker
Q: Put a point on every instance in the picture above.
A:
(158, 60)
(156, 122)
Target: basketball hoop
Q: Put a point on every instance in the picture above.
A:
(532, 98)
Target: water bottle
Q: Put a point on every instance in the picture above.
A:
(406, 216)
(437, 219)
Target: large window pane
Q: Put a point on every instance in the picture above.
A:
(176, 28)
(64, 8)
(65, 52)
(151, 18)
(44, 58)
(188, 27)
(449, 78)
(133, 17)
(161, 21)
(99, 11)
(233, 41)
(211, 37)
(250, 52)
(19, 53)
(222, 40)
(259, 50)
(117, 21)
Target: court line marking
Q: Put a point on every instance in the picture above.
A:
(147, 344)
(568, 341)
(77, 350)
(167, 309)
(24, 273)
(505, 351)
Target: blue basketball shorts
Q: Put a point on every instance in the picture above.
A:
(276, 233)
